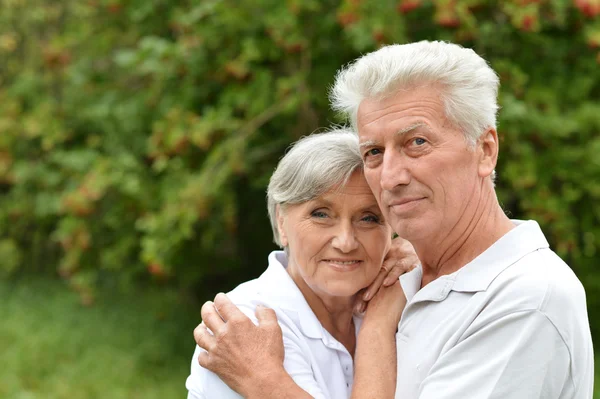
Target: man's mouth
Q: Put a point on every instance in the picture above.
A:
(404, 204)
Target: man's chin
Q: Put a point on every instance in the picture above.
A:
(408, 228)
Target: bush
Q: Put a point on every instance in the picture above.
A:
(137, 137)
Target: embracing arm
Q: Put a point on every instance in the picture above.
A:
(248, 357)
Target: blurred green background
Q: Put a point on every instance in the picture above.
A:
(137, 138)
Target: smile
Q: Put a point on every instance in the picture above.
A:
(343, 265)
(404, 205)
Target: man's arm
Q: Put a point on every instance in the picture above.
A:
(248, 357)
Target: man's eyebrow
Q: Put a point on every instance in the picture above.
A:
(368, 143)
(372, 143)
(411, 128)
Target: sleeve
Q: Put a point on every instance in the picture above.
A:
(519, 355)
(204, 384)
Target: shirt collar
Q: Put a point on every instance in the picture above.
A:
(277, 285)
(478, 274)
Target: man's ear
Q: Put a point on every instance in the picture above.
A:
(488, 147)
(282, 236)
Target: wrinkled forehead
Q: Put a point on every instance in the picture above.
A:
(355, 190)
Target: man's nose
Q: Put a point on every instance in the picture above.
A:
(345, 238)
(394, 171)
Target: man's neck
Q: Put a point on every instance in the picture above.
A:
(472, 235)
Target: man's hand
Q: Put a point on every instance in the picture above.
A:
(401, 258)
(241, 353)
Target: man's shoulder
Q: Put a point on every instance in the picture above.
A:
(541, 283)
(540, 278)
(544, 285)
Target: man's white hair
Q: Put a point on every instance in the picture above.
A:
(469, 86)
(314, 165)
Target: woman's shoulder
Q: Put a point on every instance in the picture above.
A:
(276, 290)
(247, 296)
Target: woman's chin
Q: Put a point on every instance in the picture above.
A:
(344, 290)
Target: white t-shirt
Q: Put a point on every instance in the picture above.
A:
(510, 324)
(316, 361)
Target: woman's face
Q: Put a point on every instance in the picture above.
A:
(336, 242)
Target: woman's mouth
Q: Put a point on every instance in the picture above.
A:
(343, 264)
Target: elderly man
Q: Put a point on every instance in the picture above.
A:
(492, 312)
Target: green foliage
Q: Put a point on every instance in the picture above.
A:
(137, 137)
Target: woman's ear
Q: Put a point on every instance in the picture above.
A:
(488, 147)
(280, 218)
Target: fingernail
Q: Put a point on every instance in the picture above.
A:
(388, 281)
(362, 307)
(367, 295)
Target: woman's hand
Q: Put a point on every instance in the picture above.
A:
(386, 307)
(401, 258)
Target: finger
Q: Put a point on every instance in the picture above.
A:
(211, 318)
(394, 274)
(265, 316)
(227, 309)
(374, 287)
(204, 338)
(401, 267)
(204, 360)
(360, 307)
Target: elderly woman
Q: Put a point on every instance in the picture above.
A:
(335, 240)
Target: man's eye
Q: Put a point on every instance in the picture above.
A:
(318, 214)
(372, 152)
(419, 141)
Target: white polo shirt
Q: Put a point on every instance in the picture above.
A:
(316, 361)
(510, 324)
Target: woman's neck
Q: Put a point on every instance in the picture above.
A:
(333, 312)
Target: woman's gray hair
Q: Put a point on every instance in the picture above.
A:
(469, 86)
(314, 165)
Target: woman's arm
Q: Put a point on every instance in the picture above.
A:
(375, 359)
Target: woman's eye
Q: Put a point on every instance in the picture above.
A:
(419, 141)
(370, 219)
(318, 214)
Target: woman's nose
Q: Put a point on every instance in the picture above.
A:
(345, 239)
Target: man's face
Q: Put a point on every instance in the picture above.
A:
(420, 168)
